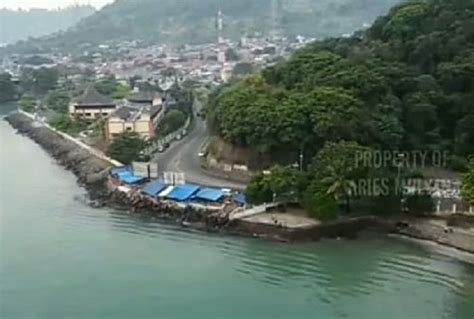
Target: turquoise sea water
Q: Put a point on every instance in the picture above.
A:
(60, 258)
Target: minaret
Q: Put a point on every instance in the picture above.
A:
(220, 39)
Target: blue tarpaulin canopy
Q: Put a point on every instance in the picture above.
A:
(153, 189)
(183, 192)
(241, 199)
(118, 170)
(128, 178)
(210, 194)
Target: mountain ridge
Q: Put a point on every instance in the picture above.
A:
(193, 21)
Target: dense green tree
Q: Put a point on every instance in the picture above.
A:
(283, 183)
(337, 168)
(7, 88)
(126, 147)
(420, 204)
(27, 103)
(172, 121)
(320, 204)
(258, 190)
(57, 100)
(405, 83)
(64, 123)
(45, 79)
(468, 183)
(243, 68)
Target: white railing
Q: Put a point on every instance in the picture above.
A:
(155, 146)
(97, 153)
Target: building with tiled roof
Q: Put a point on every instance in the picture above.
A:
(91, 105)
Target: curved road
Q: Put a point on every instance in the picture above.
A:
(182, 157)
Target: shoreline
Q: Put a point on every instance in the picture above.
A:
(92, 174)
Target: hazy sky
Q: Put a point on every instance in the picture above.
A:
(49, 4)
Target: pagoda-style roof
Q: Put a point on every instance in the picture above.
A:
(92, 97)
(144, 97)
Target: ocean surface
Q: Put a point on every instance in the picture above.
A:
(60, 258)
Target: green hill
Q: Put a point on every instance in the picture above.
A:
(405, 83)
(19, 25)
(187, 21)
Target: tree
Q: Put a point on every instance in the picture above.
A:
(64, 123)
(111, 87)
(243, 68)
(172, 121)
(420, 204)
(283, 183)
(336, 169)
(468, 183)
(27, 103)
(231, 55)
(57, 100)
(44, 79)
(7, 88)
(126, 147)
(258, 190)
(320, 204)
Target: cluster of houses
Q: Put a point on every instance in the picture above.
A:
(140, 113)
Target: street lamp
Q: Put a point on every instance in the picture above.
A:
(400, 157)
(301, 159)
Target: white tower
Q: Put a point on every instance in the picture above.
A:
(220, 39)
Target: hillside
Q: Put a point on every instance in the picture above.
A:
(405, 83)
(186, 21)
(19, 25)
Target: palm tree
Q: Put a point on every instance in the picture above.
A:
(339, 185)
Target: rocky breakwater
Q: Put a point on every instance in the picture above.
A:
(90, 170)
(133, 202)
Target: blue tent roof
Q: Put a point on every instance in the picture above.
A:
(210, 194)
(128, 178)
(183, 192)
(118, 170)
(154, 188)
(241, 199)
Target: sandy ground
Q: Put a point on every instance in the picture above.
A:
(290, 219)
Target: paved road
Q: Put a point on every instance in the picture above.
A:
(182, 157)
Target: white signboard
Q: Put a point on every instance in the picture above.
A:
(168, 178)
(148, 170)
(179, 179)
(154, 170)
(140, 169)
(173, 178)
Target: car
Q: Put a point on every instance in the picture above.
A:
(202, 154)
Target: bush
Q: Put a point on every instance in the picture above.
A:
(420, 204)
(27, 103)
(172, 121)
(126, 147)
(257, 191)
(65, 124)
(320, 204)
